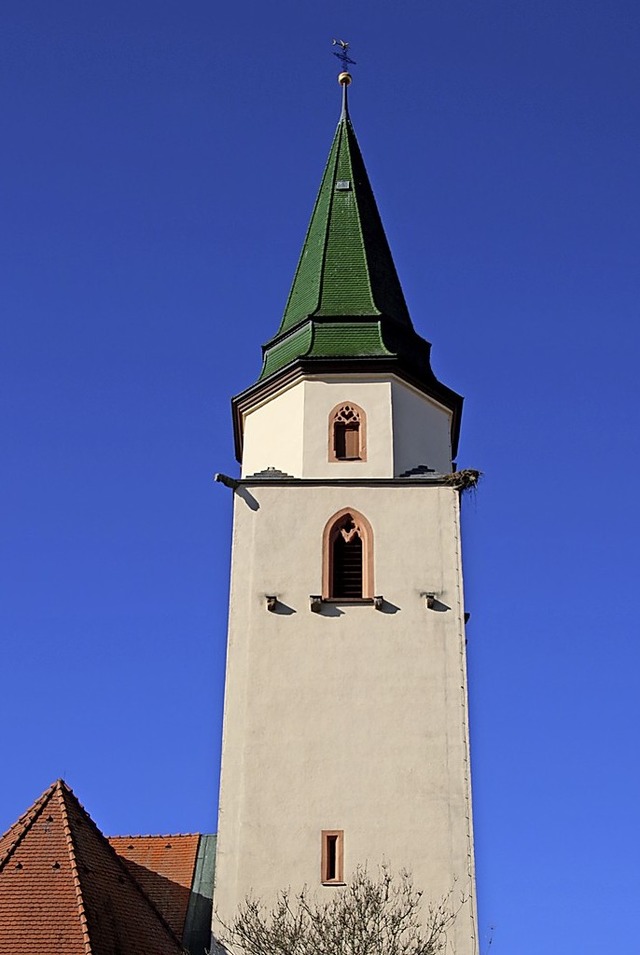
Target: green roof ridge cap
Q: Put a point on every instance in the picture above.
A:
(346, 119)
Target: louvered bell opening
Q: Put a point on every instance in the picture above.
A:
(347, 567)
(347, 440)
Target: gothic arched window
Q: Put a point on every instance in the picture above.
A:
(347, 557)
(347, 433)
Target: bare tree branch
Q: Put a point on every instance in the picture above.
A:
(369, 916)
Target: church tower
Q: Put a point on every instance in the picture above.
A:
(345, 727)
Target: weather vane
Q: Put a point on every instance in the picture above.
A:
(343, 54)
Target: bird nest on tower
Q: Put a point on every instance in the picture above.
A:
(466, 480)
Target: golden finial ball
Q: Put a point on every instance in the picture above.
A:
(344, 79)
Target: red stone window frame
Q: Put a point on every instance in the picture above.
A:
(347, 433)
(334, 526)
(332, 857)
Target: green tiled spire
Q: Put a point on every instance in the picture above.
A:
(346, 293)
(345, 268)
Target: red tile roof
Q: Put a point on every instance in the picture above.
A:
(64, 889)
(163, 866)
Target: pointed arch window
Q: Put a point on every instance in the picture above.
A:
(347, 557)
(347, 433)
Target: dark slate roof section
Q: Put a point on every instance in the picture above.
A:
(197, 926)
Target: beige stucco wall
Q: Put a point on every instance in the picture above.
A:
(421, 431)
(321, 397)
(273, 434)
(290, 431)
(352, 719)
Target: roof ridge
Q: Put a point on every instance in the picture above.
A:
(349, 128)
(27, 819)
(334, 173)
(128, 875)
(154, 835)
(75, 873)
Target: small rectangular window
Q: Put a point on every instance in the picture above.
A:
(352, 441)
(347, 441)
(332, 863)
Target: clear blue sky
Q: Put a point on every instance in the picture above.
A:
(158, 167)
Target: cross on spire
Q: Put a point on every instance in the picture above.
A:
(343, 54)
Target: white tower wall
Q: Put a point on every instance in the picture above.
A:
(352, 719)
(421, 431)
